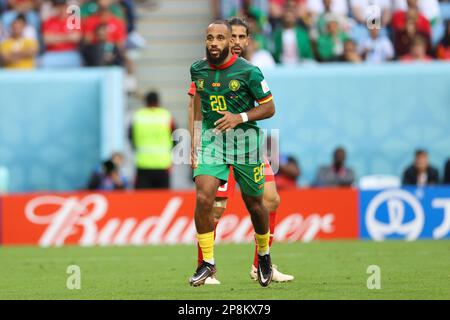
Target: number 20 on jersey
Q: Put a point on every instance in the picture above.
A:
(218, 103)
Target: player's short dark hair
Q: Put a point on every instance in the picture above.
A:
(237, 21)
(339, 149)
(152, 98)
(420, 152)
(224, 22)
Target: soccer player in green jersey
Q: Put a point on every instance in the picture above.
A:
(227, 87)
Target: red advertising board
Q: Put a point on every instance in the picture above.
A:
(166, 217)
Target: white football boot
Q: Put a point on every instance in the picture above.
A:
(277, 275)
(212, 280)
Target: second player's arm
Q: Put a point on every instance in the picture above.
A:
(231, 120)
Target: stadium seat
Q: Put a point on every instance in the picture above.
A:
(4, 180)
(372, 182)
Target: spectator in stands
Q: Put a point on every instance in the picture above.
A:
(337, 174)
(362, 11)
(403, 39)
(102, 52)
(320, 10)
(134, 39)
(402, 19)
(338, 7)
(123, 10)
(288, 173)
(350, 52)
(291, 41)
(151, 137)
(2, 6)
(24, 8)
(428, 8)
(330, 46)
(244, 8)
(115, 36)
(259, 56)
(420, 173)
(447, 173)
(116, 32)
(443, 48)
(418, 51)
(277, 8)
(256, 32)
(61, 42)
(376, 48)
(107, 177)
(92, 7)
(18, 52)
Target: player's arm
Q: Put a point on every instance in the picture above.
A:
(191, 115)
(231, 120)
(263, 111)
(195, 117)
(196, 129)
(191, 94)
(261, 93)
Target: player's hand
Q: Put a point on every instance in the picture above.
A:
(228, 121)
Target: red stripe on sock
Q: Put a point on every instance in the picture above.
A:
(272, 222)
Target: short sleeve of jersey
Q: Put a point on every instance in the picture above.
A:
(192, 89)
(193, 71)
(259, 87)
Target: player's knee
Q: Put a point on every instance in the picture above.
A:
(272, 201)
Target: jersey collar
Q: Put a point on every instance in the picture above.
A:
(225, 65)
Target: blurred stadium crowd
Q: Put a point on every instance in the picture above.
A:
(64, 34)
(299, 31)
(38, 33)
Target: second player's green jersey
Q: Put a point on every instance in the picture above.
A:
(232, 87)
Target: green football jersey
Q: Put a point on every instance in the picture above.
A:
(232, 87)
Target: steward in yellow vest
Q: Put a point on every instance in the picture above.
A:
(151, 137)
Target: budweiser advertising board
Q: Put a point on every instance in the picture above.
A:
(166, 217)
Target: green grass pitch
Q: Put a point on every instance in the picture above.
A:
(323, 270)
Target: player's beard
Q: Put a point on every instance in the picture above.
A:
(222, 56)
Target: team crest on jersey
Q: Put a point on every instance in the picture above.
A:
(200, 84)
(234, 85)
